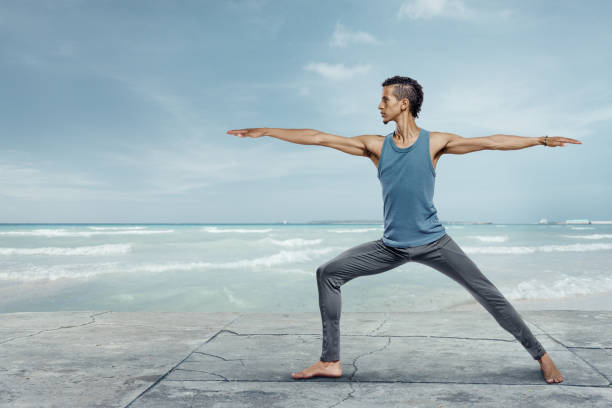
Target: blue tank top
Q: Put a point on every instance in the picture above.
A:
(407, 177)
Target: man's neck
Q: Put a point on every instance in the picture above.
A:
(406, 132)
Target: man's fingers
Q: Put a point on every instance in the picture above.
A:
(238, 132)
(561, 141)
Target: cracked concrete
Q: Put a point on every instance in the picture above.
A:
(437, 359)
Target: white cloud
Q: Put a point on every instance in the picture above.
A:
(188, 165)
(337, 71)
(518, 107)
(450, 9)
(343, 37)
(33, 181)
(426, 9)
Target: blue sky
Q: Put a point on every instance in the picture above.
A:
(115, 111)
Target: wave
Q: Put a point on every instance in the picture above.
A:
(70, 233)
(582, 228)
(490, 238)
(34, 272)
(231, 296)
(564, 287)
(72, 271)
(116, 228)
(294, 242)
(109, 249)
(216, 230)
(590, 236)
(343, 231)
(533, 249)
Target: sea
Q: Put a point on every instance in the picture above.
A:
(272, 268)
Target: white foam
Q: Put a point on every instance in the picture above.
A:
(117, 228)
(563, 287)
(71, 233)
(280, 258)
(353, 230)
(73, 271)
(490, 238)
(216, 230)
(590, 236)
(533, 249)
(582, 228)
(34, 272)
(109, 249)
(231, 296)
(296, 271)
(294, 242)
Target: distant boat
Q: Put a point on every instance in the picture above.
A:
(543, 221)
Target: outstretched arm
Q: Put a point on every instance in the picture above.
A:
(299, 136)
(455, 144)
(352, 145)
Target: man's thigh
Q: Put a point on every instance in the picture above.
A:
(364, 259)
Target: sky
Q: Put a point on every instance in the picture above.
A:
(116, 111)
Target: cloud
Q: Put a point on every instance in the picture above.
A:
(338, 71)
(22, 179)
(187, 166)
(426, 9)
(450, 9)
(343, 37)
(514, 106)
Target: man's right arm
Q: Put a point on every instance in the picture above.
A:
(299, 136)
(353, 145)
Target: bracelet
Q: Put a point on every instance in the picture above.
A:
(545, 138)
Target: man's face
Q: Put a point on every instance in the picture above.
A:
(389, 106)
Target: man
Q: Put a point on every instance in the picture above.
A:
(406, 160)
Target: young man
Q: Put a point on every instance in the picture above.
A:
(406, 160)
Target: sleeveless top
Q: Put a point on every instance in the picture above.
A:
(407, 177)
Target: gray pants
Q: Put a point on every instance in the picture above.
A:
(443, 255)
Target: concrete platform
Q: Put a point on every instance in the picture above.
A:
(428, 359)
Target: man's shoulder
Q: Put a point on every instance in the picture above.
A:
(373, 143)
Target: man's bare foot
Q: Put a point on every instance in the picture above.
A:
(551, 374)
(320, 368)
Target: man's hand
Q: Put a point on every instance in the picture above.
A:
(249, 132)
(554, 141)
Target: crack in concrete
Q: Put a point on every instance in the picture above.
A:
(92, 317)
(224, 359)
(202, 371)
(577, 356)
(589, 348)
(375, 331)
(413, 382)
(370, 335)
(354, 363)
(162, 377)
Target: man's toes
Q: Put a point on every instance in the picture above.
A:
(299, 375)
(549, 380)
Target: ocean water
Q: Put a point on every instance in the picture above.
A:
(272, 268)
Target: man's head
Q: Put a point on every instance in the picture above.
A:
(400, 94)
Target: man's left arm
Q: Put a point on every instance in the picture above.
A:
(455, 144)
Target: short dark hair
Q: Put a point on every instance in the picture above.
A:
(407, 88)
